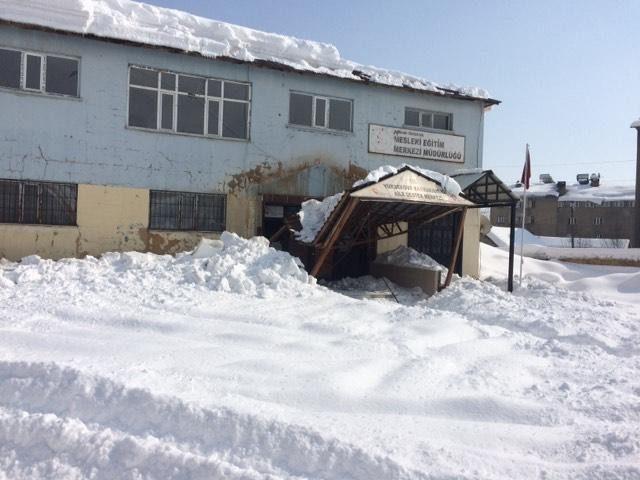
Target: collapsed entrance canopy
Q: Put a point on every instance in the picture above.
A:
(374, 210)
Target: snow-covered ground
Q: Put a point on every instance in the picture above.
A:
(144, 366)
(558, 248)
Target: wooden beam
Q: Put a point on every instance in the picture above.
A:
(334, 235)
(279, 233)
(456, 248)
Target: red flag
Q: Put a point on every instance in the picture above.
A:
(526, 171)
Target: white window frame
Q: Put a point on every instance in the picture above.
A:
(176, 93)
(420, 112)
(23, 71)
(327, 99)
(572, 220)
(597, 220)
(43, 72)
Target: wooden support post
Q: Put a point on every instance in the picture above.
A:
(456, 248)
(333, 237)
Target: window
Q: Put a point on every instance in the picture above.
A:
(572, 220)
(422, 118)
(187, 211)
(531, 203)
(529, 220)
(177, 103)
(37, 72)
(597, 221)
(501, 219)
(41, 203)
(320, 112)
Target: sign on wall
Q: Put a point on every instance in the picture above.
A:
(406, 142)
(408, 186)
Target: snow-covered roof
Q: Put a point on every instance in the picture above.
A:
(151, 25)
(580, 193)
(603, 193)
(448, 184)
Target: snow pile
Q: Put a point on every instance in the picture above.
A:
(148, 24)
(408, 257)
(231, 264)
(447, 183)
(313, 214)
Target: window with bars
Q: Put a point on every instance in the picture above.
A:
(187, 211)
(38, 72)
(426, 119)
(177, 103)
(326, 113)
(38, 203)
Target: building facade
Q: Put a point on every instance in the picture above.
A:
(108, 145)
(575, 211)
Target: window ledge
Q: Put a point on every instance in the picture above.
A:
(37, 225)
(183, 134)
(19, 91)
(427, 129)
(340, 133)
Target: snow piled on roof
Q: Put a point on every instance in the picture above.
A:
(597, 195)
(579, 193)
(313, 213)
(148, 24)
(447, 183)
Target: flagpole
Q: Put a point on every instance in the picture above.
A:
(524, 216)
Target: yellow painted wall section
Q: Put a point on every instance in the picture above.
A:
(109, 219)
(471, 244)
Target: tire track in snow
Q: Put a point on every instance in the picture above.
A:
(55, 420)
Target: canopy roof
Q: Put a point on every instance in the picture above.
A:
(484, 188)
(405, 196)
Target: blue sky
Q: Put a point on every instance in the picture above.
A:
(568, 72)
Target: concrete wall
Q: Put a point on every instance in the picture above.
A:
(94, 145)
(108, 219)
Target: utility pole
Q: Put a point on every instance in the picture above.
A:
(635, 234)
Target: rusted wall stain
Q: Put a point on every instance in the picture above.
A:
(294, 178)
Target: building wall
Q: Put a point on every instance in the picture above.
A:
(94, 147)
(108, 219)
(615, 221)
(551, 218)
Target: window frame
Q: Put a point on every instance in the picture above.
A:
(195, 210)
(327, 100)
(420, 112)
(175, 93)
(22, 88)
(39, 198)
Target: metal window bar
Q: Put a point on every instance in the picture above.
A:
(187, 211)
(38, 203)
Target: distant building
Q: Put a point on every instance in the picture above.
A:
(583, 210)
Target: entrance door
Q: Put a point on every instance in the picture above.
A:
(436, 239)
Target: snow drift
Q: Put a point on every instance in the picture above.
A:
(232, 264)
